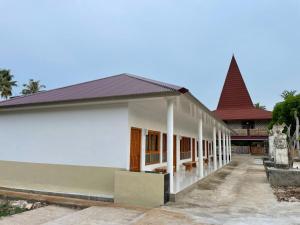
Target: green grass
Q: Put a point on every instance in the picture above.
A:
(8, 210)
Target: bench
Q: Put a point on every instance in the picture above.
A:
(189, 165)
(160, 170)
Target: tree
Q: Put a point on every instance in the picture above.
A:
(284, 111)
(285, 94)
(259, 106)
(6, 84)
(32, 87)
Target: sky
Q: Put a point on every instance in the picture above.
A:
(188, 43)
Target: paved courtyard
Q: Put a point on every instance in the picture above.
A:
(237, 194)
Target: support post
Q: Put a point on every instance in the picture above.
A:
(170, 133)
(143, 149)
(230, 151)
(200, 138)
(224, 148)
(220, 148)
(227, 147)
(215, 147)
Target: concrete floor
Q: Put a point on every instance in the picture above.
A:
(237, 194)
(37, 216)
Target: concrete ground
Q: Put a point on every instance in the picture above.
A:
(237, 194)
(37, 216)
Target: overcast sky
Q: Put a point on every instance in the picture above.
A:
(189, 43)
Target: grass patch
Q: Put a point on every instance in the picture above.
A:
(8, 210)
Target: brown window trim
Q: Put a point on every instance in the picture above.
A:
(185, 148)
(152, 150)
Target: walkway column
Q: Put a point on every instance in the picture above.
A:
(170, 132)
(230, 148)
(200, 138)
(215, 147)
(227, 148)
(220, 147)
(224, 148)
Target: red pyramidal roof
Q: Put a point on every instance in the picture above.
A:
(234, 93)
(235, 102)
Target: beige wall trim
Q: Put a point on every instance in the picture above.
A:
(95, 182)
(139, 188)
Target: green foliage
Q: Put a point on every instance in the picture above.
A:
(32, 87)
(259, 106)
(6, 84)
(8, 210)
(284, 111)
(285, 94)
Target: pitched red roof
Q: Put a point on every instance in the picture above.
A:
(235, 102)
(235, 93)
(243, 114)
(115, 86)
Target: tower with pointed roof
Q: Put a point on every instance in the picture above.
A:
(236, 108)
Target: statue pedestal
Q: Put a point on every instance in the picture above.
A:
(281, 158)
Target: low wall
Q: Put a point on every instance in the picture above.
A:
(283, 177)
(52, 178)
(139, 188)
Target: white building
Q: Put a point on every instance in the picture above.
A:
(72, 140)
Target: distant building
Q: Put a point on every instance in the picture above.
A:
(237, 110)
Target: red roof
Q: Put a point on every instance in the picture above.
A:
(123, 85)
(235, 102)
(243, 114)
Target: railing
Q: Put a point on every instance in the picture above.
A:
(152, 157)
(259, 132)
(185, 155)
(241, 132)
(252, 132)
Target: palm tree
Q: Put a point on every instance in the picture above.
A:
(285, 94)
(259, 106)
(6, 84)
(32, 87)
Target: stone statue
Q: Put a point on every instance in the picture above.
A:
(281, 152)
(271, 144)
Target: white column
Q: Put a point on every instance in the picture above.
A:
(229, 139)
(170, 132)
(220, 147)
(227, 147)
(143, 149)
(215, 147)
(161, 147)
(200, 138)
(177, 152)
(224, 148)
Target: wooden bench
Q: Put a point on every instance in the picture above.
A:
(189, 165)
(160, 170)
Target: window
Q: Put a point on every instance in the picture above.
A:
(152, 147)
(164, 148)
(185, 148)
(248, 124)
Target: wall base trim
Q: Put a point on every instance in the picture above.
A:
(6, 191)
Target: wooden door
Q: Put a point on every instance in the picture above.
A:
(135, 149)
(174, 152)
(193, 150)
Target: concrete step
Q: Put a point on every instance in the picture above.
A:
(37, 216)
(99, 216)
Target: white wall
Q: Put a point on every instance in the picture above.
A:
(152, 115)
(86, 135)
